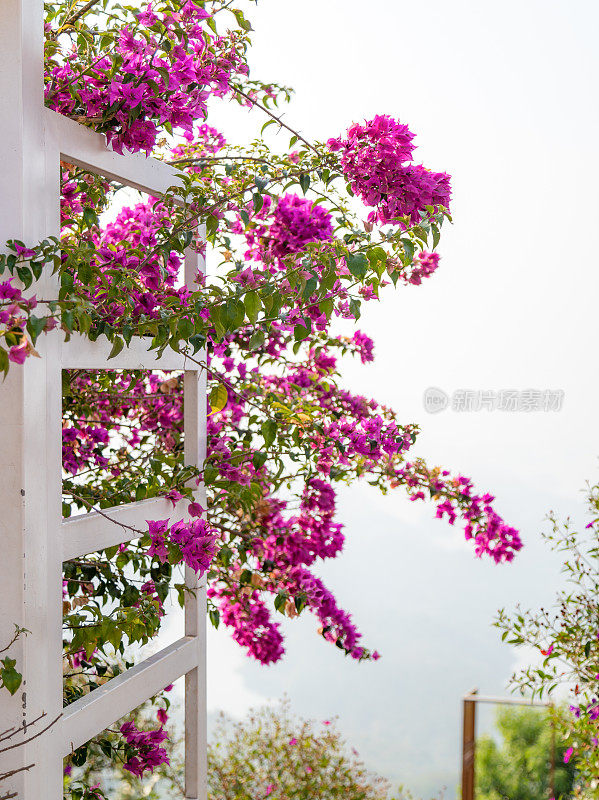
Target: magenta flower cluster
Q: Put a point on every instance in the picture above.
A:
(491, 535)
(160, 80)
(113, 410)
(376, 159)
(13, 314)
(143, 749)
(251, 625)
(296, 223)
(423, 266)
(195, 541)
(282, 229)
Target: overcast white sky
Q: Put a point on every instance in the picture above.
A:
(503, 97)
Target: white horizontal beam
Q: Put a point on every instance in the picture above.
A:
(506, 701)
(81, 353)
(90, 715)
(87, 149)
(97, 531)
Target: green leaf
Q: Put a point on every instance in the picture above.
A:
(79, 757)
(266, 124)
(233, 314)
(84, 272)
(354, 307)
(280, 601)
(256, 340)
(259, 459)
(309, 288)
(408, 246)
(9, 675)
(242, 21)
(117, 346)
(185, 328)
(90, 217)
(300, 332)
(260, 180)
(304, 182)
(258, 201)
(210, 474)
(35, 325)
(218, 398)
(252, 305)
(357, 264)
(378, 259)
(326, 306)
(25, 275)
(211, 225)
(269, 431)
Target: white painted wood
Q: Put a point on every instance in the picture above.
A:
(97, 530)
(33, 536)
(87, 149)
(81, 353)
(30, 420)
(90, 715)
(196, 735)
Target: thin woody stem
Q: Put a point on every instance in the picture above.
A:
(276, 118)
(31, 738)
(77, 15)
(106, 516)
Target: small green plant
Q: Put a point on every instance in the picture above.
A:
(519, 767)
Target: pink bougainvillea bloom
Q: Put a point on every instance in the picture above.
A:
(18, 354)
(162, 716)
(297, 222)
(270, 789)
(195, 510)
(144, 751)
(376, 159)
(568, 754)
(24, 252)
(293, 741)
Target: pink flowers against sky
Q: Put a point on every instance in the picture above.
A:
(376, 158)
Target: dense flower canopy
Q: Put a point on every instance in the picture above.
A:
(287, 271)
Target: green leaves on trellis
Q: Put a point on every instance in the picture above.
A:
(10, 678)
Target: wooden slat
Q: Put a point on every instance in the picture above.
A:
(90, 715)
(81, 353)
(507, 701)
(87, 149)
(94, 531)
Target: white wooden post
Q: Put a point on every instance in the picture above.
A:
(195, 604)
(30, 420)
(34, 538)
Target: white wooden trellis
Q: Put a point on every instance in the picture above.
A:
(34, 539)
